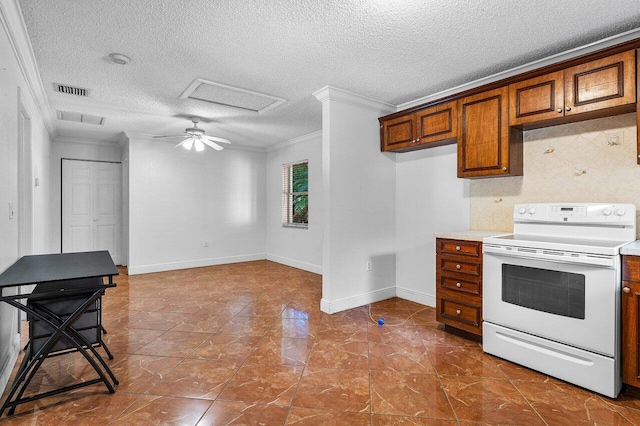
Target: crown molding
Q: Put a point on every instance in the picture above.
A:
(531, 66)
(15, 27)
(293, 141)
(87, 141)
(329, 93)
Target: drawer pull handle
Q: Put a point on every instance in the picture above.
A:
(626, 289)
(458, 266)
(457, 248)
(458, 285)
(458, 311)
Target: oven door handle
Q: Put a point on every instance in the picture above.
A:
(551, 256)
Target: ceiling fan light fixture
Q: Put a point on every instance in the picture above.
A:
(188, 143)
(196, 136)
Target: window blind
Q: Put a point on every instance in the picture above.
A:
(295, 194)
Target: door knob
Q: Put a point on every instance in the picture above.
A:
(95, 220)
(559, 110)
(626, 289)
(458, 266)
(458, 311)
(567, 108)
(458, 285)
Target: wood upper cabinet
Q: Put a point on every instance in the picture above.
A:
(596, 85)
(433, 126)
(486, 145)
(539, 98)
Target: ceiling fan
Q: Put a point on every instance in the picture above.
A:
(195, 137)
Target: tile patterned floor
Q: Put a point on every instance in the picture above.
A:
(246, 344)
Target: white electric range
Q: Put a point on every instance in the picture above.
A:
(551, 291)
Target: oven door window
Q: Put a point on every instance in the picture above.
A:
(555, 292)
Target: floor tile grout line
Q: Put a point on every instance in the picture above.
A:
(304, 368)
(446, 394)
(614, 407)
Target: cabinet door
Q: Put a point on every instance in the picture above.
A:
(604, 83)
(638, 110)
(398, 133)
(437, 123)
(630, 341)
(536, 99)
(483, 136)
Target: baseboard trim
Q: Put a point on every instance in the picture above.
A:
(5, 371)
(172, 266)
(416, 296)
(316, 269)
(356, 301)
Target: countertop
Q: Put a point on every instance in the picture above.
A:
(469, 235)
(632, 249)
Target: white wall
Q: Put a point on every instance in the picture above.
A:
(359, 203)
(180, 199)
(14, 89)
(429, 198)
(296, 247)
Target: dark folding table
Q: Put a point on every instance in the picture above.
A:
(72, 280)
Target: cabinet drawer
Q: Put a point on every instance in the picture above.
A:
(455, 284)
(459, 247)
(631, 268)
(446, 264)
(464, 314)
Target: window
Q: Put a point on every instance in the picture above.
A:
(295, 194)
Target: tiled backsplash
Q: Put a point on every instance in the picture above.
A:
(591, 161)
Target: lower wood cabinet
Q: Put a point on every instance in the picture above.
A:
(459, 284)
(631, 320)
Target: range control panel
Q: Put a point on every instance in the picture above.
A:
(577, 212)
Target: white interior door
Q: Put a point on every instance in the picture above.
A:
(91, 207)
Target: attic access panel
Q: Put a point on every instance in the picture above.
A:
(80, 117)
(235, 97)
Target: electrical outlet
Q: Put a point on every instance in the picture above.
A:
(368, 265)
(11, 212)
(206, 243)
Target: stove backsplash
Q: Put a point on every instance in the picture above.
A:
(591, 161)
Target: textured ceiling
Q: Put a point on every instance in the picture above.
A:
(392, 51)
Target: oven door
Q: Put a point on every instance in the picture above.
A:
(574, 303)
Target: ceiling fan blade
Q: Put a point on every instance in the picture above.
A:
(181, 143)
(172, 136)
(215, 139)
(211, 144)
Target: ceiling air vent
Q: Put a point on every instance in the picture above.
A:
(222, 94)
(70, 90)
(79, 117)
